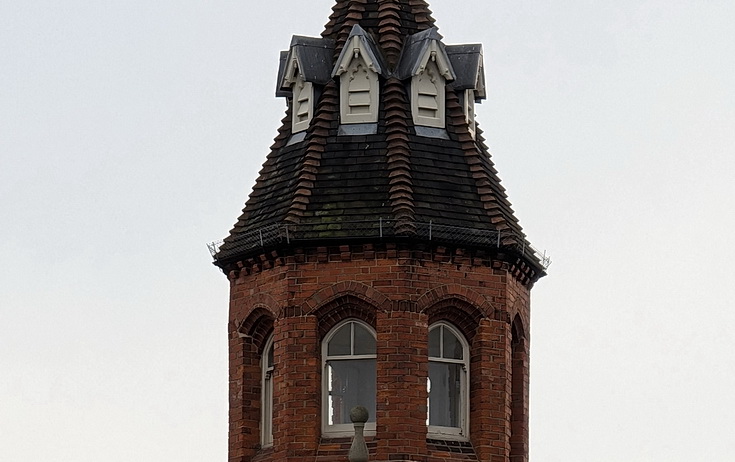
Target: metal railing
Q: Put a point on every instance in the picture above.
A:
(287, 233)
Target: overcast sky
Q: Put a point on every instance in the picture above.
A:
(131, 133)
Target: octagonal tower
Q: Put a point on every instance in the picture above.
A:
(378, 261)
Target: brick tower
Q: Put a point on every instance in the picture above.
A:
(378, 261)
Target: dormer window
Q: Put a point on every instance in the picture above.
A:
(358, 68)
(304, 69)
(303, 104)
(468, 104)
(359, 94)
(302, 95)
(428, 97)
(469, 80)
(425, 62)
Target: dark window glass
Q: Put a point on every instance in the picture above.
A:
(340, 342)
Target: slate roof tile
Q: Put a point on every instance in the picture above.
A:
(330, 179)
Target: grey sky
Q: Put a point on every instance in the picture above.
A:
(131, 133)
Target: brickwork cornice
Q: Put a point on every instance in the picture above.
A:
(294, 255)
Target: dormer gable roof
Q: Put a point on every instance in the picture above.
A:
(280, 91)
(360, 43)
(310, 57)
(418, 50)
(469, 69)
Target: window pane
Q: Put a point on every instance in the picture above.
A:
(340, 343)
(364, 341)
(351, 383)
(268, 411)
(452, 345)
(269, 361)
(434, 345)
(445, 395)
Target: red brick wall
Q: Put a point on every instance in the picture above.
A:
(402, 366)
(400, 292)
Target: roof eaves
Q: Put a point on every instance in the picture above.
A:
(467, 64)
(374, 56)
(413, 56)
(313, 57)
(281, 91)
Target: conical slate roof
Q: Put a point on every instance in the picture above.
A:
(396, 181)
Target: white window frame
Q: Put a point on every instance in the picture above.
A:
(461, 432)
(469, 111)
(303, 98)
(433, 66)
(302, 95)
(342, 430)
(356, 59)
(266, 393)
(429, 74)
(359, 70)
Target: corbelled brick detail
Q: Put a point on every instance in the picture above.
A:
(400, 291)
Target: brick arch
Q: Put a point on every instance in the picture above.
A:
(257, 326)
(465, 294)
(263, 300)
(459, 313)
(517, 331)
(344, 307)
(356, 289)
(460, 306)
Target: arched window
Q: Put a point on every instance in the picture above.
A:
(349, 378)
(448, 382)
(266, 418)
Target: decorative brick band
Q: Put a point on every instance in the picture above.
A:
(341, 308)
(257, 326)
(361, 291)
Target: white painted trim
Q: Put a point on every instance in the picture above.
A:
(302, 104)
(469, 111)
(358, 51)
(428, 96)
(435, 54)
(266, 397)
(359, 90)
(342, 430)
(460, 433)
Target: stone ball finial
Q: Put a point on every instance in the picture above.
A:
(359, 414)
